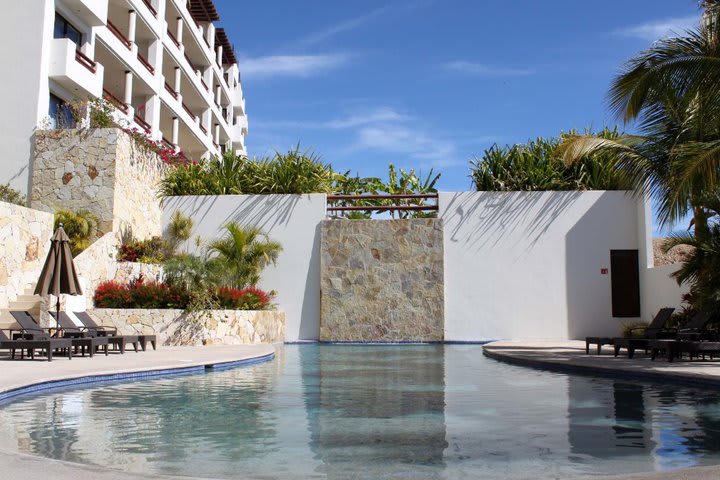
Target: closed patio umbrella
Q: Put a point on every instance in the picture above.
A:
(58, 275)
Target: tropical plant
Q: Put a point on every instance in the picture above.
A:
(10, 195)
(672, 90)
(701, 269)
(538, 166)
(179, 229)
(240, 256)
(80, 226)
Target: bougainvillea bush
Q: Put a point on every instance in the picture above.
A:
(143, 294)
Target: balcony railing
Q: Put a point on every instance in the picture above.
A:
(148, 4)
(382, 203)
(85, 61)
(168, 143)
(204, 84)
(122, 106)
(172, 37)
(116, 31)
(187, 109)
(143, 124)
(146, 63)
(204, 130)
(171, 91)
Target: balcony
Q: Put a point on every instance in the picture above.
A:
(73, 70)
(239, 128)
(238, 98)
(92, 12)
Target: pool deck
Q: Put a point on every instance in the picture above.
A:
(16, 374)
(569, 356)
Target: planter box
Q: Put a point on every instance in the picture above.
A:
(215, 327)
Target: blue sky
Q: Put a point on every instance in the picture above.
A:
(432, 83)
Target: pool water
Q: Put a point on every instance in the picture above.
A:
(372, 412)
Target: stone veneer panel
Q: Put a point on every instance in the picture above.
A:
(102, 170)
(219, 327)
(382, 280)
(24, 241)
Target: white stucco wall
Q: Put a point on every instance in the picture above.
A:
(26, 37)
(660, 290)
(292, 220)
(528, 264)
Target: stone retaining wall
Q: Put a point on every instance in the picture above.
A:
(24, 241)
(382, 280)
(217, 327)
(102, 170)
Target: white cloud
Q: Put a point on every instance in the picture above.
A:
(483, 70)
(291, 65)
(341, 27)
(657, 29)
(380, 114)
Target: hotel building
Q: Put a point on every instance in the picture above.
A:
(164, 64)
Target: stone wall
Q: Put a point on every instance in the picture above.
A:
(24, 241)
(220, 327)
(101, 170)
(382, 280)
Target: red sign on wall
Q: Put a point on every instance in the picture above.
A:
(603, 271)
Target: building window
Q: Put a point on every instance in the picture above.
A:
(60, 113)
(63, 29)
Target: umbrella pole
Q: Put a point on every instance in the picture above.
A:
(57, 312)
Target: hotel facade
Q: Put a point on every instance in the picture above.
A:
(164, 65)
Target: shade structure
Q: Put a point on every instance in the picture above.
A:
(58, 275)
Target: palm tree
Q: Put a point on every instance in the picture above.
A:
(241, 255)
(672, 90)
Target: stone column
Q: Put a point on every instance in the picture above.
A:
(175, 131)
(219, 55)
(217, 134)
(179, 34)
(132, 20)
(128, 87)
(218, 94)
(177, 79)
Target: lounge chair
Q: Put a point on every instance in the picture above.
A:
(80, 336)
(691, 333)
(32, 331)
(664, 315)
(655, 330)
(24, 344)
(110, 333)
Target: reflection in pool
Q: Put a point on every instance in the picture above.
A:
(372, 412)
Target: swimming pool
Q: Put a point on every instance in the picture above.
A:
(372, 412)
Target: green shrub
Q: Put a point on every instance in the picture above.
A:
(10, 195)
(538, 166)
(292, 172)
(152, 250)
(80, 226)
(633, 329)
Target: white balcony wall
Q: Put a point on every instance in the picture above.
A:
(92, 12)
(66, 70)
